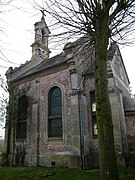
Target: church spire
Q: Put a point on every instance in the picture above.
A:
(40, 45)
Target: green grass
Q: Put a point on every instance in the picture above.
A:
(40, 173)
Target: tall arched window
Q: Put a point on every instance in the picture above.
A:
(22, 118)
(55, 113)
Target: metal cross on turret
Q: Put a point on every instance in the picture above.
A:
(43, 13)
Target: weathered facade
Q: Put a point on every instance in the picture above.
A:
(51, 118)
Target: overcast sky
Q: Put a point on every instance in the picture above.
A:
(18, 34)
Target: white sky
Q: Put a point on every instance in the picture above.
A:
(18, 35)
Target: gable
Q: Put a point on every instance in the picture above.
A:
(117, 62)
(118, 69)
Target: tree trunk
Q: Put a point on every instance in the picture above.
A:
(107, 155)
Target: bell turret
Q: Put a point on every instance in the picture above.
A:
(40, 45)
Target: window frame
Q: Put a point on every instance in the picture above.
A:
(22, 122)
(53, 116)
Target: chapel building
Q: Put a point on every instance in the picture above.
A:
(51, 117)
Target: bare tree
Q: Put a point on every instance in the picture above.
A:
(3, 104)
(6, 9)
(103, 21)
(3, 4)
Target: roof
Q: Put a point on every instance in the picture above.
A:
(38, 65)
(129, 104)
(54, 61)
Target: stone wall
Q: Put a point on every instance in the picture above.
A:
(39, 149)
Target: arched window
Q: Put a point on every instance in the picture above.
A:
(55, 113)
(22, 118)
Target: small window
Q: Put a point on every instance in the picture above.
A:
(93, 113)
(55, 113)
(22, 118)
(39, 51)
(43, 34)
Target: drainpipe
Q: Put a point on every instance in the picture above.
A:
(81, 126)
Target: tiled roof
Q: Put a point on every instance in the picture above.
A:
(54, 61)
(45, 64)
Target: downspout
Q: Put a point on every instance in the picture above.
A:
(81, 126)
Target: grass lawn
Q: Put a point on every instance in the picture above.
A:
(39, 173)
